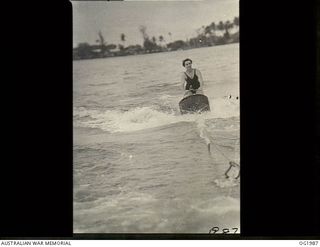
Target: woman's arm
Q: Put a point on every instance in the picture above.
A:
(184, 84)
(183, 81)
(200, 79)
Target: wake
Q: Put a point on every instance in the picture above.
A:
(146, 117)
(211, 143)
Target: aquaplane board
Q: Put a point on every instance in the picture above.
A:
(196, 103)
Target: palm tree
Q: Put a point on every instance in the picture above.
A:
(207, 31)
(102, 43)
(213, 28)
(236, 21)
(143, 30)
(161, 39)
(226, 27)
(220, 26)
(123, 38)
(170, 34)
(203, 30)
(154, 40)
(210, 33)
(101, 40)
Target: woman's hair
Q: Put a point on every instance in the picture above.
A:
(184, 61)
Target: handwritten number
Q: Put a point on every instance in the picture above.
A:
(225, 231)
(236, 229)
(214, 230)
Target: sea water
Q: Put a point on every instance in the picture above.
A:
(139, 165)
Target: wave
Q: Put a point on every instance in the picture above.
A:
(219, 205)
(146, 117)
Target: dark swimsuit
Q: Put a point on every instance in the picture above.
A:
(194, 82)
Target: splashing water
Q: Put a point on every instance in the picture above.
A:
(141, 118)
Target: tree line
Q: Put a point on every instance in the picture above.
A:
(214, 34)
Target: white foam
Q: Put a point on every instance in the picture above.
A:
(224, 107)
(140, 118)
(118, 121)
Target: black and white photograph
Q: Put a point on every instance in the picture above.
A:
(156, 118)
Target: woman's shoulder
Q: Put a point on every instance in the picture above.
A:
(197, 71)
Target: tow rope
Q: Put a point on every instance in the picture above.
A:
(231, 163)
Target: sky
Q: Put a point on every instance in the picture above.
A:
(181, 18)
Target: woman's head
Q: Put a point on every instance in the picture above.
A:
(186, 62)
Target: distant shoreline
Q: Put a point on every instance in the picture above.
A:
(156, 52)
(117, 54)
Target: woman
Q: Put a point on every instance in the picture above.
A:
(191, 79)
